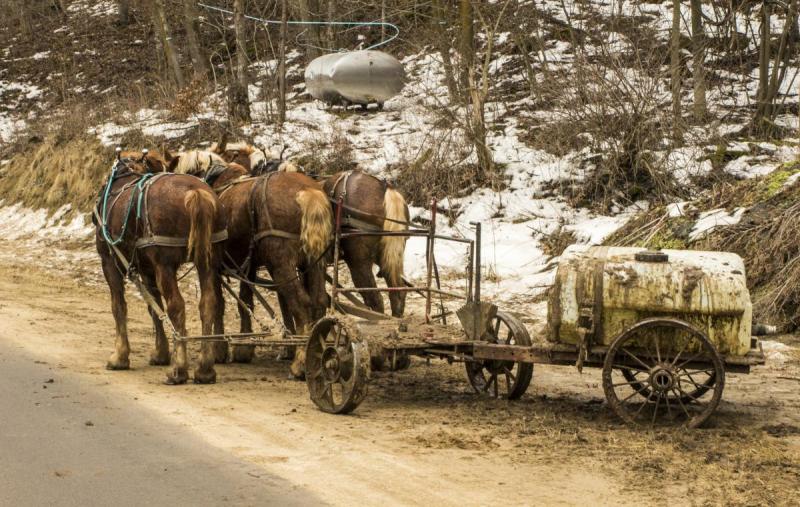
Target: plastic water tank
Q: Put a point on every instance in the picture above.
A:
(621, 286)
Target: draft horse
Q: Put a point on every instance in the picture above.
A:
(281, 221)
(152, 224)
(369, 203)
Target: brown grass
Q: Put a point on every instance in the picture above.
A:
(50, 174)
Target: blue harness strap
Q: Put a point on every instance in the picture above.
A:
(105, 211)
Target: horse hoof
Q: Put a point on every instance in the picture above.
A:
(286, 354)
(176, 378)
(220, 353)
(201, 377)
(157, 360)
(118, 365)
(243, 353)
(298, 371)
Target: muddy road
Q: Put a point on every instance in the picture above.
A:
(421, 437)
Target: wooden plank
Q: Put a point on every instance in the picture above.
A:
(516, 353)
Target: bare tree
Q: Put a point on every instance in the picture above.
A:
(675, 71)
(769, 83)
(467, 41)
(698, 61)
(173, 62)
(124, 12)
(282, 65)
(191, 25)
(238, 100)
(443, 42)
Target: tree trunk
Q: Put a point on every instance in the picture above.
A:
(239, 102)
(282, 66)
(383, 20)
(763, 64)
(191, 25)
(443, 43)
(330, 30)
(675, 72)
(780, 63)
(467, 43)
(124, 12)
(306, 10)
(171, 55)
(698, 64)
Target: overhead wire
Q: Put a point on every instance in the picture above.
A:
(353, 24)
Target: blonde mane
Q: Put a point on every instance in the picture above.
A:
(197, 161)
(255, 155)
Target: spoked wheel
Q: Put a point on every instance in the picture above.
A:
(502, 378)
(337, 367)
(663, 371)
(706, 382)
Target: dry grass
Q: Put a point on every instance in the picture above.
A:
(51, 174)
(766, 238)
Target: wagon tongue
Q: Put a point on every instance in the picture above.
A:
(475, 318)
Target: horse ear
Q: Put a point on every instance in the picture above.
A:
(172, 163)
(167, 154)
(220, 149)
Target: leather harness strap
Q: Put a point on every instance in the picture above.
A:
(268, 231)
(157, 240)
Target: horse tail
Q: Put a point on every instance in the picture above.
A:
(316, 226)
(393, 247)
(202, 207)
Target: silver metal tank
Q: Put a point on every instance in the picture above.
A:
(616, 287)
(355, 77)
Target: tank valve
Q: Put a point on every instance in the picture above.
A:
(651, 256)
(763, 329)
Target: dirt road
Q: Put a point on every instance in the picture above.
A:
(421, 437)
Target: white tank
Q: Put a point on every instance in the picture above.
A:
(617, 287)
(356, 77)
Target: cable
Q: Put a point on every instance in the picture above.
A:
(332, 23)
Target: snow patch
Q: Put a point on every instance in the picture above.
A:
(713, 219)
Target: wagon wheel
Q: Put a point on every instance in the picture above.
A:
(485, 376)
(706, 382)
(669, 363)
(337, 367)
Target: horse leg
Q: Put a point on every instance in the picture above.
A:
(209, 301)
(176, 310)
(397, 299)
(244, 353)
(315, 286)
(220, 347)
(119, 360)
(160, 354)
(361, 272)
(298, 302)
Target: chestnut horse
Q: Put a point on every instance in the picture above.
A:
(281, 221)
(256, 160)
(157, 222)
(370, 203)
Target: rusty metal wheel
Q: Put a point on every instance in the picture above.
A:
(663, 371)
(337, 366)
(706, 382)
(485, 376)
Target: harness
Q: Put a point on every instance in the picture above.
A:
(141, 184)
(350, 221)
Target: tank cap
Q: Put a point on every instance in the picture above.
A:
(651, 256)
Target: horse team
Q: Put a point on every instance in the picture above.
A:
(239, 209)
